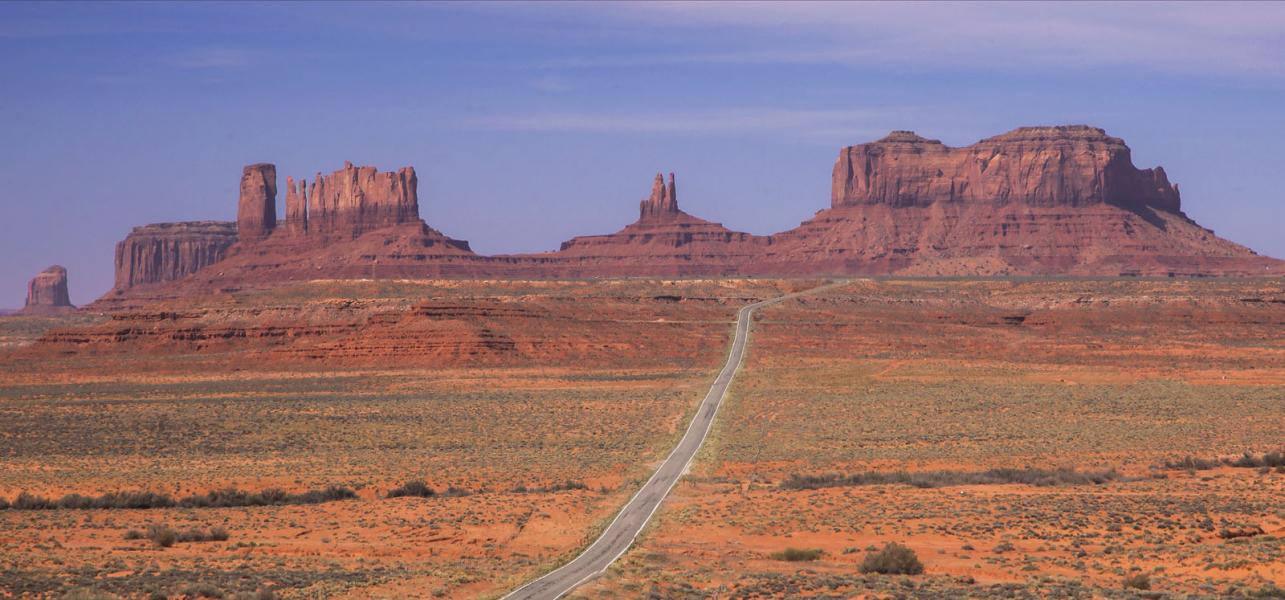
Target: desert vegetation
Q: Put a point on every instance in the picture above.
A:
(165, 536)
(524, 453)
(934, 479)
(225, 498)
(1013, 457)
(892, 559)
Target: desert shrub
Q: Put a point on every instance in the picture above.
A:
(454, 492)
(4, 504)
(87, 594)
(117, 500)
(231, 497)
(1189, 463)
(162, 535)
(893, 558)
(214, 499)
(567, 485)
(1269, 590)
(1245, 461)
(261, 594)
(1270, 459)
(165, 536)
(216, 534)
(202, 590)
(934, 479)
(415, 489)
(1137, 581)
(329, 494)
(798, 554)
(26, 501)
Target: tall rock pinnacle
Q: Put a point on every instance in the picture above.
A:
(296, 206)
(663, 202)
(256, 214)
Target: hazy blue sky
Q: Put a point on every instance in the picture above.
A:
(529, 124)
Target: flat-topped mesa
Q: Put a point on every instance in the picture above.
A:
(1070, 165)
(47, 291)
(663, 203)
(168, 251)
(354, 200)
(256, 212)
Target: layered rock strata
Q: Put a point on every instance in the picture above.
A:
(1063, 200)
(355, 200)
(256, 214)
(1034, 201)
(663, 241)
(1072, 165)
(164, 252)
(47, 292)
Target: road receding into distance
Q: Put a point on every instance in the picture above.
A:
(622, 531)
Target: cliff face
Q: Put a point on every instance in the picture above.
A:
(256, 214)
(168, 251)
(1035, 201)
(1063, 200)
(662, 205)
(1072, 165)
(47, 291)
(353, 201)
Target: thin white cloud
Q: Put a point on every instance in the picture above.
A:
(731, 120)
(1195, 38)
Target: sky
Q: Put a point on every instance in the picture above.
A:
(532, 123)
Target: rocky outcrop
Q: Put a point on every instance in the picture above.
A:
(296, 207)
(47, 292)
(663, 202)
(1072, 165)
(355, 200)
(256, 213)
(1035, 201)
(663, 241)
(1063, 200)
(164, 252)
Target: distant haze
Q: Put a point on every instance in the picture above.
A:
(529, 124)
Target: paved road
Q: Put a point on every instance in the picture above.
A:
(634, 516)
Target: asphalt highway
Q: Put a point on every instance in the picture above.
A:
(622, 531)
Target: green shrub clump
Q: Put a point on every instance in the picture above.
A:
(798, 554)
(892, 559)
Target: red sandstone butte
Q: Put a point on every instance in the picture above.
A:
(47, 292)
(1035, 201)
(1063, 200)
(164, 252)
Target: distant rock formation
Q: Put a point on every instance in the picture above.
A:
(1061, 200)
(47, 292)
(164, 252)
(1064, 200)
(663, 241)
(355, 200)
(296, 207)
(256, 213)
(663, 202)
(1072, 165)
